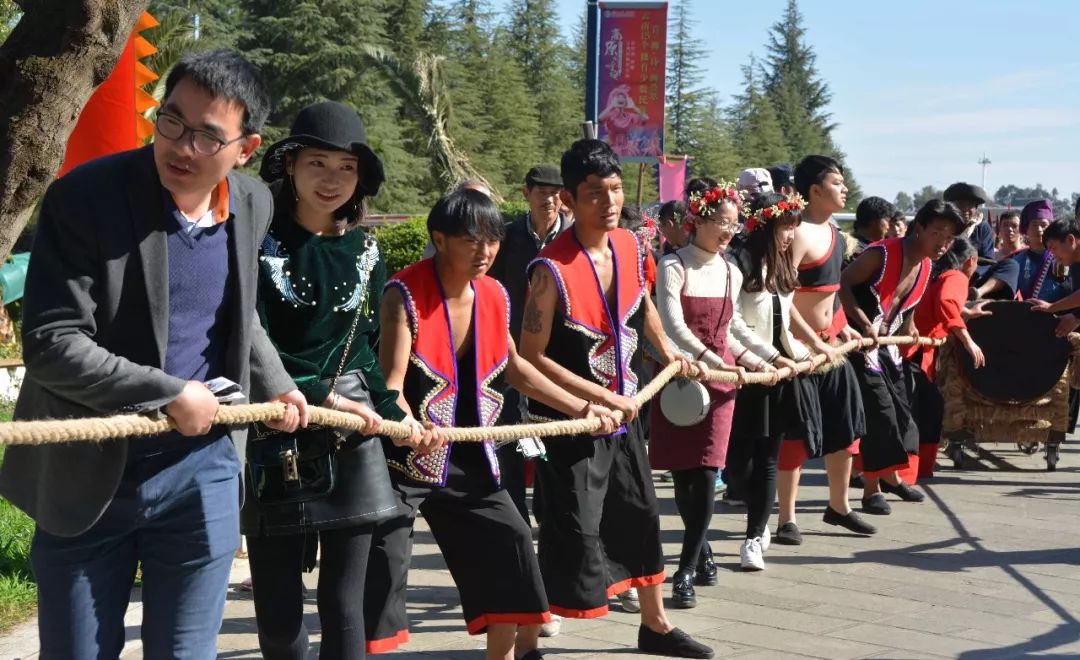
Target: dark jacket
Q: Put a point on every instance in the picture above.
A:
(517, 250)
(96, 323)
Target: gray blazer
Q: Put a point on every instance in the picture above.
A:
(96, 323)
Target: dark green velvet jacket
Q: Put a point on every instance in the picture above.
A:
(310, 289)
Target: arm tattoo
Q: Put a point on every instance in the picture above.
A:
(533, 321)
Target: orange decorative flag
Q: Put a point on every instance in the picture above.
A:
(113, 118)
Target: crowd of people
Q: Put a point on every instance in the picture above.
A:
(162, 276)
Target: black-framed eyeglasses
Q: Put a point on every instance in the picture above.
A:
(203, 142)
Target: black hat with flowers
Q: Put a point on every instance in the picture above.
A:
(329, 125)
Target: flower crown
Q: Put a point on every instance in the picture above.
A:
(792, 203)
(706, 203)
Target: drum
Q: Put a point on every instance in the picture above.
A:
(684, 402)
(1024, 360)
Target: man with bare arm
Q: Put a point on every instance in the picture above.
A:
(818, 250)
(600, 532)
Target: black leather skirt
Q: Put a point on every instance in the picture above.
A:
(362, 493)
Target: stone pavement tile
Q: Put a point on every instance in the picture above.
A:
(788, 641)
(579, 646)
(790, 620)
(625, 634)
(926, 593)
(770, 655)
(772, 598)
(828, 595)
(909, 640)
(905, 655)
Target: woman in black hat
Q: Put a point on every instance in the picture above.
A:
(320, 282)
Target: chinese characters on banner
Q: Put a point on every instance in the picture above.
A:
(630, 94)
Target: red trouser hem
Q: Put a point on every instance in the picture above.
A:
(877, 474)
(646, 581)
(387, 644)
(569, 613)
(793, 453)
(617, 588)
(480, 623)
(927, 459)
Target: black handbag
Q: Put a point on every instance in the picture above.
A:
(287, 468)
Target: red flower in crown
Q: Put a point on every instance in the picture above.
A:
(751, 224)
(767, 213)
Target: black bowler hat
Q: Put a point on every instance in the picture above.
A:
(961, 192)
(329, 125)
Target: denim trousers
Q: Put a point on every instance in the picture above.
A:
(175, 514)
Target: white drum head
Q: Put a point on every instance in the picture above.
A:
(684, 402)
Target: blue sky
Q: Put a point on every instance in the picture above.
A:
(922, 88)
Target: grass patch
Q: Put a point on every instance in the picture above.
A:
(18, 593)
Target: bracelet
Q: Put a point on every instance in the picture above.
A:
(334, 401)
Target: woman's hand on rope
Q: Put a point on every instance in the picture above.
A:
(830, 353)
(193, 411)
(684, 364)
(372, 419)
(296, 412)
(772, 372)
(608, 422)
(782, 362)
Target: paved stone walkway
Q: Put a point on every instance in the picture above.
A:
(987, 567)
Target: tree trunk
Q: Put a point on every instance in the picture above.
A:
(56, 56)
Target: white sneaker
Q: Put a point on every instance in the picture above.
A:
(766, 540)
(629, 601)
(551, 628)
(750, 558)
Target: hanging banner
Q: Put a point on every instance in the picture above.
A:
(630, 81)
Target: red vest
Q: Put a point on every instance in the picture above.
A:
(431, 380)
(587, 338)
(885, 306)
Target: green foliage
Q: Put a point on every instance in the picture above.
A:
(546, 67)
(685, 97)
(9, 16)
(923, 196)
(759, 138)
(904, 202)
(18, 593)
(402, 243)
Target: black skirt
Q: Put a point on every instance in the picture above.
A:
(827, 411)
(362, 491)
(762, 411)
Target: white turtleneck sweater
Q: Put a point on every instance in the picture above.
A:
(703, 274)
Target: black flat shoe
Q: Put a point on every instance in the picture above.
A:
(674, 644)
(903, 491)
(706, 573)
(851, 522)
(534, 654)
(682, 589)
(876, 505)
(788, 534)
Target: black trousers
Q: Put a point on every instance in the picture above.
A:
(487, 547)
(277, 563)
(751, 465)
(600, 528)
(695, 492)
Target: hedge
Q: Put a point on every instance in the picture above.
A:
(403, 243)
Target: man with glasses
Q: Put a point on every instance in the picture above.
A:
(141, 291)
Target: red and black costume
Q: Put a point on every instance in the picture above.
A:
(484, 540)
(891, 441)
(833, 389)
(599, 522)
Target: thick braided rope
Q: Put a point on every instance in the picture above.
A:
(96, 429)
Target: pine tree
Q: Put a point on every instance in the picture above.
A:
(313, 51)
(515, 139)
(711, 142)
(791, 80)
(545, 62)
(685, 96)
(759, 138)
(405, 27)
